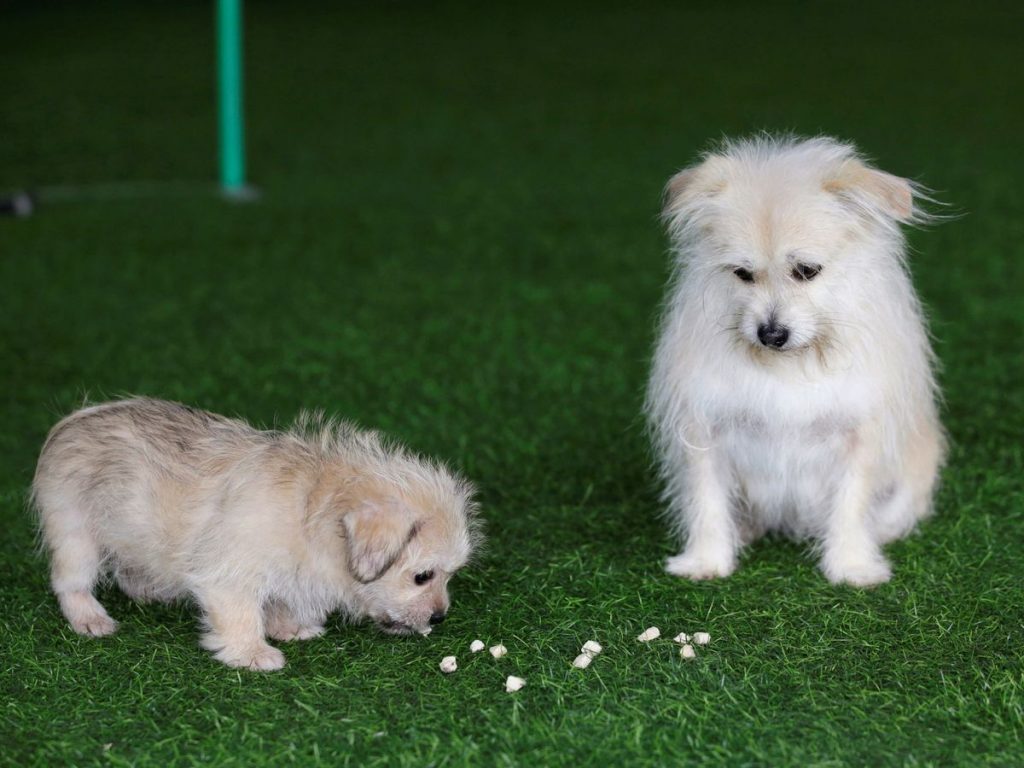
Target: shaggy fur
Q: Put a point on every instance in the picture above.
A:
(269, 531)
(792, 386)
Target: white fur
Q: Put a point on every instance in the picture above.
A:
(268, 531)
(834, 437)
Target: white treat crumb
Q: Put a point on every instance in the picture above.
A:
(591, 648)
(682, 638)
(701, 638)
(448, 665)
(687, 652)
(426, 631)
(582, 661)
(497, 651)
(513, 684)
(476, 646)
(651, 633)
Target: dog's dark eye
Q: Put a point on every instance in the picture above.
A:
(424, 577)
(744, 274)
(806, 271)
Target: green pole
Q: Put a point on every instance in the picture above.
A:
(232, 121)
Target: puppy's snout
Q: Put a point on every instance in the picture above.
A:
(437, 617)
(771, 334)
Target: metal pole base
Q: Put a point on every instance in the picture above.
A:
(241, 194)
(20, 204)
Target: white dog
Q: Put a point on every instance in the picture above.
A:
(792, 386)
(267, 531)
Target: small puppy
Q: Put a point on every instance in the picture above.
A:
(792, 386)
(268, 531)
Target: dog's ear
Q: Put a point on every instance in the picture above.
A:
(691, 184)
(873, 191)
(678, 186)
(377, 533)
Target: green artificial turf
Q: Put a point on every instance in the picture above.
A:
(458, 243)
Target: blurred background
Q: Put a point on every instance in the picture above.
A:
(435, 175)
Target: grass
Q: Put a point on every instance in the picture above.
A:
(457, 243)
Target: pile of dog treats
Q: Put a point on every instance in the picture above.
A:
(588, 652)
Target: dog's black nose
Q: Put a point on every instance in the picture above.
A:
(772, 335)
(437, 617)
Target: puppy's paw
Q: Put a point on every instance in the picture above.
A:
(860, 572)
(85, 614)
(700, 565)
(288, 631)
(264, 658)
(96, 625)
(309, 632)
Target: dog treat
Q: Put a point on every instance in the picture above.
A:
(682, 638)
(448, 665)
(591, 648)
(582, 661)
(499, 650)
(513, 684)
(426, 631)
(651, 633)
(701, 638)
(687, 652)
(476, 646)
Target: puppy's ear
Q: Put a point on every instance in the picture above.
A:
(677, 187)
(691, 184)
(875, 192)
(377, 534)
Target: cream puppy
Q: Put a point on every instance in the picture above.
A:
(792, 386)
(268, 531)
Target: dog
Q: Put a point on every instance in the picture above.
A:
(267, 531)
(792, 387)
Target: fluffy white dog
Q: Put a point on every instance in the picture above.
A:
(792, 386)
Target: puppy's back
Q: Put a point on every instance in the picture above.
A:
(108, 466)
(99, 443)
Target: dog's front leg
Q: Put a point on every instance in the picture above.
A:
(851, 554)
(235, 629)
(706, 514)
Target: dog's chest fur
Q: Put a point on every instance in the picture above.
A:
(786, 436)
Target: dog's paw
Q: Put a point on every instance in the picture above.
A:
(288, 631)
(86, 615)
(309, 632)
(864, 572)
(699, 566)
(265, 658)
(94, 625)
